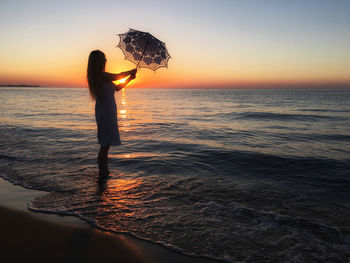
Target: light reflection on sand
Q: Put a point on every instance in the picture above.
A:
(118, 194)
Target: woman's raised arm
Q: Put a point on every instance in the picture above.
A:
(122, 85)
(118, 76)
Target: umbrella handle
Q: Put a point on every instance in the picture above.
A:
(142, 55)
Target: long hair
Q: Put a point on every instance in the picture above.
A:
(96, 65)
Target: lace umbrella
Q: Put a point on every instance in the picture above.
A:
(143, 49)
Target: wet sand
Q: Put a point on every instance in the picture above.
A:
(40, 236)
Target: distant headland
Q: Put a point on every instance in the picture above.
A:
(19, 85)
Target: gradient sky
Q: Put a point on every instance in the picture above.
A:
(212, 43)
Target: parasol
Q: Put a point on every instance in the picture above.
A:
(143, 49)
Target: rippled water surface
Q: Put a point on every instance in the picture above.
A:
(239, 175)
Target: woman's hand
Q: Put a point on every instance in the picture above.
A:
(133, 74)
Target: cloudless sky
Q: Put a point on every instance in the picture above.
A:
(212, 43)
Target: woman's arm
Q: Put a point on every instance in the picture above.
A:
(122, 85)
(118, 76)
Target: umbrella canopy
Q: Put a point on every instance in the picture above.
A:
(143, 49)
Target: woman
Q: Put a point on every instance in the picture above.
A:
(102, 91)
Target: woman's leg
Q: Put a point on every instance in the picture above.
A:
(103, 160)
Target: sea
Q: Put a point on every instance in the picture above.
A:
(240, 175)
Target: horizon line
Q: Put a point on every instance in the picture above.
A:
(252, 85)
(296, 87)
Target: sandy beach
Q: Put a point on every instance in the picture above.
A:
(13, 203)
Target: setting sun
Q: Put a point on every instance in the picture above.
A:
(117, 82)
(122, 80)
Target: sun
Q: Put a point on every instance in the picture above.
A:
(122, 80)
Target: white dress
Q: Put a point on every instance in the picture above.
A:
(106, 117)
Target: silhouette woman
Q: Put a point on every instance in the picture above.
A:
(102, 91)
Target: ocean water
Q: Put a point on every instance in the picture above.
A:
(238, 175)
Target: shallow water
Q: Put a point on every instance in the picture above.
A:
(240, 175)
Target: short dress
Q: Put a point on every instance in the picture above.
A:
(106, 117)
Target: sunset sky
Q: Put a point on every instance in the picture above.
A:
(213, 43)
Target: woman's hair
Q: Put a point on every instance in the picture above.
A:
(96, 65)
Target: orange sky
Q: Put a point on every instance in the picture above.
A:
(232, 44)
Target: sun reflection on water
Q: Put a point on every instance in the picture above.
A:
(118, 193)
(132, 155)
(123, 111)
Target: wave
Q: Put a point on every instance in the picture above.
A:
(318, 176)
(324, 110)
(283, 116)
(216, 219)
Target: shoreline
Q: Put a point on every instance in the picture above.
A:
(17, 197)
